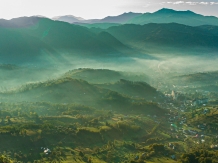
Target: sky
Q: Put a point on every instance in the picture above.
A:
(97, 9)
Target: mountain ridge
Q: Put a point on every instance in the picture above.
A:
(122, 18)
(169, 34)
(50, 37)
(172, 16)
(68, 18)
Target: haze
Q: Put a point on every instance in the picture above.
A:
(96, 9)
(132, 88)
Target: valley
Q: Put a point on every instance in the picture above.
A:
(132, 88)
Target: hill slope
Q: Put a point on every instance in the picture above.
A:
(210, 29)
(65, 90)
(170, 35)
(63, 36)
(101, 76)
(47, 38)
(134, 89)
(20, 47)
(68, 90)
(98, 25)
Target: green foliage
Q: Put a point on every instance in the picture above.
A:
(199, 156)
(100, 25)
(153, 140)
(5, 159)
(157, 147)
(124, 125)
(134, 89)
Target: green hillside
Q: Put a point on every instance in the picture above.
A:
(49, 39)
(66, 37)
(99, 25)
(133, 89)
(65, 90)
(68, 90)
(18, 46)
(107, 38)
(99, 76)
(210, 29)
(73, 133)
(155, 36)
(13, 76)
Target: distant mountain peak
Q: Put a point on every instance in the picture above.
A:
(130, 12)
(166, 15)
(19, 22)
(40, 16)
(171, 11)
(123, 14)
(67, 16)
(123, 18)
(167, 10)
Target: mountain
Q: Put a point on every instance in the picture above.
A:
(120, 19)
(68, 18)
(30, 37)
(67, 37)
(171, 16)
(109, 39)
(19, 22)
(120, 82)
(164, 35)
(34, 39)
(18, 47)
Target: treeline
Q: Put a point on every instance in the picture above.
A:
(49, 83)
(200, 156)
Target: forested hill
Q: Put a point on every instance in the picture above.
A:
(170, 35)
(48, 38)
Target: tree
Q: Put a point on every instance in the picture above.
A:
(81, 154)
(5, 159)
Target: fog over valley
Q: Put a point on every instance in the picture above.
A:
(131, 88)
